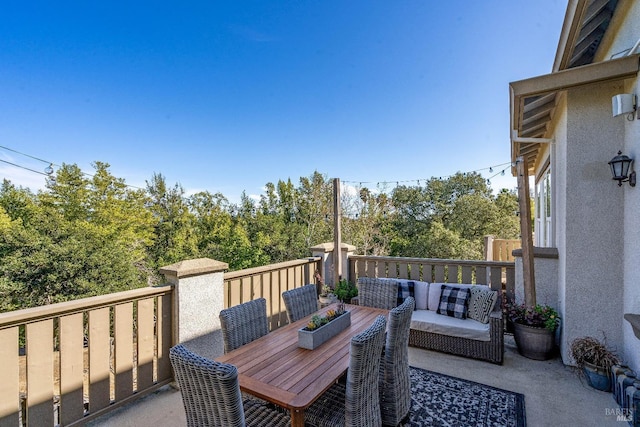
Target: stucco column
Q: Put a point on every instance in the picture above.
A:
(198, 298)
(326, 253)
(546, 272)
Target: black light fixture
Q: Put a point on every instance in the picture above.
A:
(620, 169)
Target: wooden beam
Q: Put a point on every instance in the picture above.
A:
(337, 233)
(525, 231)
(615, 69)
(532, 140)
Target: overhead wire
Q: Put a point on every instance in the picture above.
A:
(24, 167)
(49, 169)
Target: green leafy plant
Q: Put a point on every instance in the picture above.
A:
(541, 316)
(325, 290)
(317, 320)
(345, 290)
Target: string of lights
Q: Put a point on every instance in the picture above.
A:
(491, 169)
(48, 171)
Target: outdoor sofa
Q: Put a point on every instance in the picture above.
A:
(478, 333)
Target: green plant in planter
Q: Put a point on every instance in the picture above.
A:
(317, 320)
(595, 359)
(540, 316)
(326, 291)
(345, 290)
(534, 329)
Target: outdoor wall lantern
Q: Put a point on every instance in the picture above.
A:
(620, 169)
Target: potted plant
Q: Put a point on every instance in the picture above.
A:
(326, 294)
(322, 328)
(534, 329)
(345, 290)
(595, 359)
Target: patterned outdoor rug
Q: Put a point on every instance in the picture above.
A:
(441, 400)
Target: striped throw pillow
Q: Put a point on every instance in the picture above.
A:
(481, 303)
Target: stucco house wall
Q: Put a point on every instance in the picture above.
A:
(593, 272)
(623, 34)
(559, 193)
(595, 227)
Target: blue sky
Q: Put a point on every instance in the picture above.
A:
(226, 96)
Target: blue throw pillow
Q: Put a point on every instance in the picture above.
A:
(454, 302)
(405, 290)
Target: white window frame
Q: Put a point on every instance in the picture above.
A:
(544, 210)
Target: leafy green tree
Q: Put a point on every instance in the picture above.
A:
(18, 203)
(366, 221)
(92, 234)
(508, 226)
(81, 237)
(220, 236)
(315, 209)
(449, 218)
(175, 237)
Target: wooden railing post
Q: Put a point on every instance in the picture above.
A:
(197, 300)
(488, 248)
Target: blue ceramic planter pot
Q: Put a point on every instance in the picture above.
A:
(597, 377)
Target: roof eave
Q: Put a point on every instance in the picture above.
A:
(615, 69)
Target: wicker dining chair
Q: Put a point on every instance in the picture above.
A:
(211, 394)
(377, 293)
(243, 323)
(300, 302)
(394, 382)
(354, 403)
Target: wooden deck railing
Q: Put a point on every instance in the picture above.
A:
(270, 282)
(500, 249)
(503, 248)
(498, 275)
(67, 363)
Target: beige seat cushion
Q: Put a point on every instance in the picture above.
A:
(430, 321)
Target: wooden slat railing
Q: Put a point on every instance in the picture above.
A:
(498, 275)
(270, 282)
(503, 248)
(67, 363)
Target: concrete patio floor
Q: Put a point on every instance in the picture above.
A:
(555, 395)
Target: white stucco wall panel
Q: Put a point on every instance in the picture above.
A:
(559, 194)
(622, 34)
(631, 350)
(592, 271)
(545, 271)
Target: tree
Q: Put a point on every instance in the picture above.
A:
(315, 208)
(449, 217)
(80, 237)
(220, 236)
(175, 239)
(18, 203)
(365, 221)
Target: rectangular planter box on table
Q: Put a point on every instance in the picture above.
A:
(315, 338)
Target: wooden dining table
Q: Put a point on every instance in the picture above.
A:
(276, 370)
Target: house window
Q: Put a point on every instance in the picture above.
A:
(543, 236)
